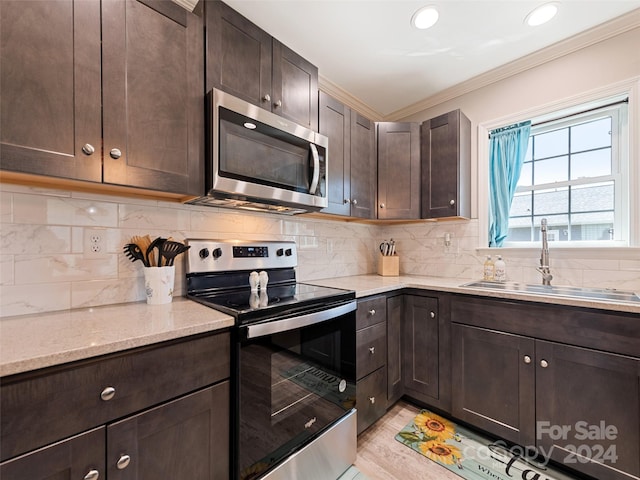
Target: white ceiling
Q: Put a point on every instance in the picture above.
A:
(369, 49)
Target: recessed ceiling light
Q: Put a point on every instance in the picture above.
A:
(542, 14)
(425, 18)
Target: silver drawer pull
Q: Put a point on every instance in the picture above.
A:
(372, 312)
(372, 350)
(544, 363)
(372, 400)
(108, 393)
(115, 153)
(432, 314)
(527, 359)
(92, 475)
(123, 462)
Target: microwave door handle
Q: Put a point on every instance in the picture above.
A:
(316, 169)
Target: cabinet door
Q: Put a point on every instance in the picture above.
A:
(69, 459)
(363, 167)
(294, 87)
(238, 55)
(153, 87)
(494, 382)
(588, 409)
(184, 439)
(395, 312)
(335, 123)
(446, 165)
(50, 88)
(421, 343)
(398, 170)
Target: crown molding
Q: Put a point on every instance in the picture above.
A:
(340, 94)
(582, 40)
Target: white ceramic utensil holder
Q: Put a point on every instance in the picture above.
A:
(158, 283)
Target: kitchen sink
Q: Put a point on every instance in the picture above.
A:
(606, 294)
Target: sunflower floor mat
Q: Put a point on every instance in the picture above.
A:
(471, 455)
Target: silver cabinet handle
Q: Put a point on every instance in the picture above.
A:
(372, 312)
(544, 363)
(266, 98)
(88, 149)
(115, 153)
(372, 350)
(346, 200)
(452, 202)
(278, 104)
(372, 400)
(382, 205)
(432, 314)
(92, 475)
(108, 393)
(354, 202)
(527, 359)
(123, 462)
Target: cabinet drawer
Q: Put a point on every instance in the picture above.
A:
(371, 311)
(371, 398)
(371, 349)
(42, 407)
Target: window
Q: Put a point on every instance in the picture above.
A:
(574, 175)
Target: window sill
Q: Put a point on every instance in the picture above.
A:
(603, 252)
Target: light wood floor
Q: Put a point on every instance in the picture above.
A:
(382, 457)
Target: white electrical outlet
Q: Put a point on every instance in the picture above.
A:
(95, 243)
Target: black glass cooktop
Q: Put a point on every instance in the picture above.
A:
(278, 300)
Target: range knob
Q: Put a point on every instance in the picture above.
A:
(217, 252)
(280, 252)
(204, 253)
(288, 252)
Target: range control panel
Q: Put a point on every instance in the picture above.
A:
(234, 255)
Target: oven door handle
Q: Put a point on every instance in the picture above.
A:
(277, 326)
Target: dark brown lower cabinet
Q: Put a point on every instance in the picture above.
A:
(187, 438)
(588, 410)
(494, 383)
(575, 405)
(160, 411)
(81, 457)
(426, 350)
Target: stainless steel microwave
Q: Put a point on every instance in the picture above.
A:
(257, 160)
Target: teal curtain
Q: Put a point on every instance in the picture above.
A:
(507, 149)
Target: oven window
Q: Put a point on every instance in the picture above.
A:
(262, 154)
(292, 386)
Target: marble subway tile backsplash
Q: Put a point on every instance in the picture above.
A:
(43, 266)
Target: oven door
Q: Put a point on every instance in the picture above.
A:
(296, 377)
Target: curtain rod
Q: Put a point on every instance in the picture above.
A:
(626, 100)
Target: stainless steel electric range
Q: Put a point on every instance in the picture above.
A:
(293, 377)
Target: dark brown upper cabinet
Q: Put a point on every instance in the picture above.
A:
(247, 62)
(122, 107)
(446, 166)
(398, 170)
(352, 176)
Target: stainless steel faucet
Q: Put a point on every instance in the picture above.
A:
(544, 255)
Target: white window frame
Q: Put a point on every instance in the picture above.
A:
(630, 206)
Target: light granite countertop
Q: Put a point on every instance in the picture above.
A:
(366, 285)
(29, 342)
